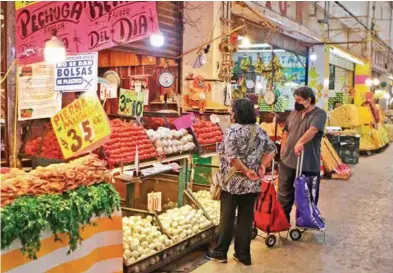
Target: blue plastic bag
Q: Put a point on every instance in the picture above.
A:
(307, 212)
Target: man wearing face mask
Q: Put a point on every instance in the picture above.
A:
(303, 132)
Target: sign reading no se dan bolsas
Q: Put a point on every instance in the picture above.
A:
(77, 73)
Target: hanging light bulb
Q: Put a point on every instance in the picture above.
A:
(245, 41)
(369, 82)
(157, 39)
(313, 55)
(375, 81)
(54, 51)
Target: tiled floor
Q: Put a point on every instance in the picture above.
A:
(359, 237)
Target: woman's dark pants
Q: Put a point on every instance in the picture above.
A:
(245, 216)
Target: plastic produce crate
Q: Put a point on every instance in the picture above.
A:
(350, 149)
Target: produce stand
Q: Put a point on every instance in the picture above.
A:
(129, 192)
(167, 248)
(60, 218)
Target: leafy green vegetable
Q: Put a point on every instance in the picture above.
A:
(28, 216)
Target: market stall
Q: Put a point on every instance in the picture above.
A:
(53, 216)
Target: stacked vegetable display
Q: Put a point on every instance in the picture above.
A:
(208, 134)
(171, 141)
(211, 206)
(141, 238)
(124, 139)
(181, 223)
(49, 146)
(55, 178)
(155, 122)
(346, 116)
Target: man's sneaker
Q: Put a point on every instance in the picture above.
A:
(243, 261)
(212, 256)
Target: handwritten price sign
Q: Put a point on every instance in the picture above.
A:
(81, 126)
(131, 103)
(154, 201)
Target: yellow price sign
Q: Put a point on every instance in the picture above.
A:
(23, 4)
(131, 103)
(81, 126)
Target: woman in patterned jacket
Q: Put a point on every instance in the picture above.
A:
(250, 158)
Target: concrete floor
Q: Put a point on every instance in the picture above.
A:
(359, 235)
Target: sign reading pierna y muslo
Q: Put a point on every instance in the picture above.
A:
(81, 126)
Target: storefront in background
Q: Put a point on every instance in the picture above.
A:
(341, 80)
(270, 61)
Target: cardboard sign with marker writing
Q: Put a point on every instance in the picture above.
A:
(131, 103)
(81, 126)
(154, 201)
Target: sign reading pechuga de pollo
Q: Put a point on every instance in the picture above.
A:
(81, 126)
(83, 26)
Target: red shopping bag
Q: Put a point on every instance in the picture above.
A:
(269, 216)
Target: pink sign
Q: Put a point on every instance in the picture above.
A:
(360, 79)
(83, 26)
(184, 121)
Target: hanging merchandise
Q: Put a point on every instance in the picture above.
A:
(198, 92)
(259, 65)
(240, 92)
(77, 73)
(36, 98)
(200, 60)
(245, 63)
(228, 94)
(274, 69)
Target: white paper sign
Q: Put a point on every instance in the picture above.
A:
(107, 89)
(154, 201)
(214, 118)
(77, 73)
(35, 88)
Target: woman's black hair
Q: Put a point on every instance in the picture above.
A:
(244, 112)
(305, 92)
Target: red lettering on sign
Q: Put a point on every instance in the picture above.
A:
(299, 12)
(283, 7)
(269, 4)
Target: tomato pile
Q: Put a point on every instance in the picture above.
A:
(122, 145)
(155, 122)
(208, 133)
(50, 147)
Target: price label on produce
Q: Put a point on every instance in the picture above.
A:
(154, 201)
(131, 103)
(81, 126)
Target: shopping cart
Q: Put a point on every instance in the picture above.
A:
(308, 216)
(269, 216)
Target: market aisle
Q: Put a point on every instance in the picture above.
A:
(359, 236)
